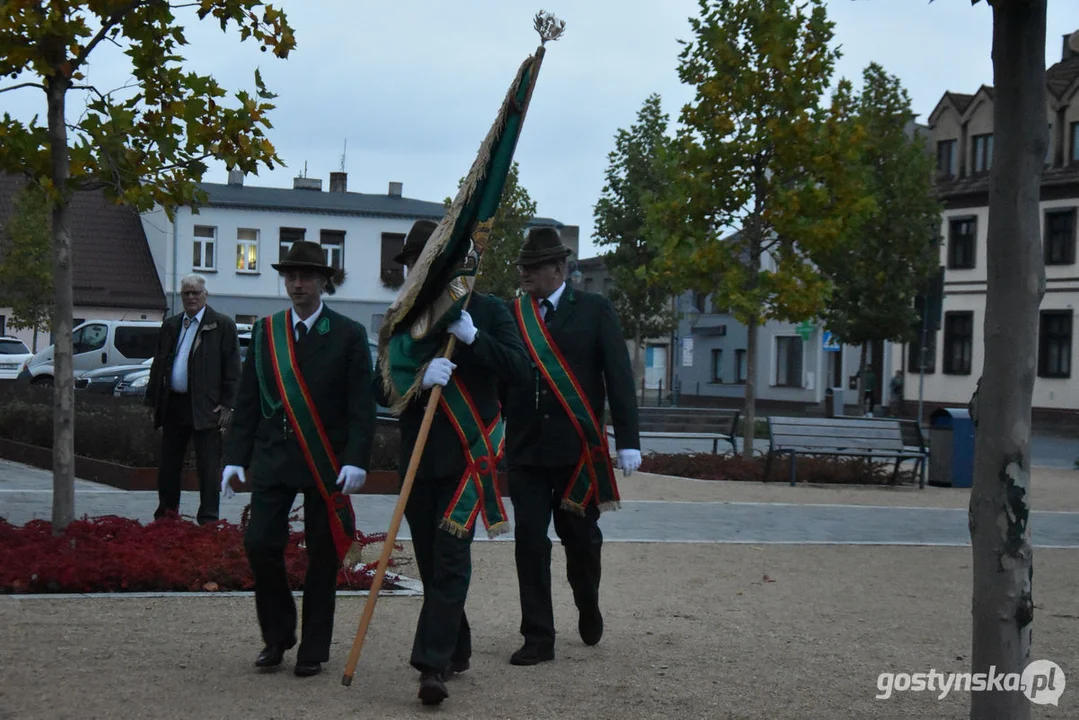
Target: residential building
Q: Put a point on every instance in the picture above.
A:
(234, 238)
(652, 372)
(704, 358)
(961, 131)
(114, 277)
(797, 363)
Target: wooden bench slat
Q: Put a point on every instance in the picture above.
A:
(868, 433)
(794, 443)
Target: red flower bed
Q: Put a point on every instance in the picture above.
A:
(830, 470)
(116, 554)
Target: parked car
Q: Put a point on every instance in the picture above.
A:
(104, 381)
(99, 344)
(13, 357)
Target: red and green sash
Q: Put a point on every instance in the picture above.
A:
(593, 478)
(477, 492)
(305, 422)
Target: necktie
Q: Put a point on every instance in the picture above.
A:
(187, 322)
(549, 315)
(301, 329)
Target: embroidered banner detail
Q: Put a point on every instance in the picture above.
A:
(477, 492)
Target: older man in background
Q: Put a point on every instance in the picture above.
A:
(193, 385)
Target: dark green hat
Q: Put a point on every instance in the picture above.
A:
(304, 255)
(543, 245)
(417, 237)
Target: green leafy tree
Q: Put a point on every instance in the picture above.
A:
(889, 252)
(761, 154)
(635, 176)
(498, 268)
(144, 144)
(25, 267)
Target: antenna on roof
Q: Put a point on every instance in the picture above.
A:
(305, 168)
(343, 153)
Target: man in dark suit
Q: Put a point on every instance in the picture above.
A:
(192, 390)
(304, 422)
(556, 442)
(488, 350)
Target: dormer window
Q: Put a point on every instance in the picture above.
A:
(983, 152)
(947, 158)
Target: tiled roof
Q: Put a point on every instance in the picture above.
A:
(339, 203)
(1060, 76)
(960, 100)
(111, 259)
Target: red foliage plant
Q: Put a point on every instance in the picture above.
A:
(116, 554)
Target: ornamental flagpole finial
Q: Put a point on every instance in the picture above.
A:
(548, 26)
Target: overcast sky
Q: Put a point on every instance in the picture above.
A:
(414, 85)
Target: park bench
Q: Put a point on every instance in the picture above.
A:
(843, 437)
(715, 424)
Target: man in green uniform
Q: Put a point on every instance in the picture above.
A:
(304, 423)
(556, 442)
(443, 505)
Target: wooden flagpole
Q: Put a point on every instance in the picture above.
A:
(549, 28)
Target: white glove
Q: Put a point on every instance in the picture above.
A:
(629, 460)
(438, 373)
(352, 478)
(464, 328)
(231, 471)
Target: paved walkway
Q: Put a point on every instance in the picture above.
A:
(26, 494)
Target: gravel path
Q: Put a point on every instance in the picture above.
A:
(693, 631)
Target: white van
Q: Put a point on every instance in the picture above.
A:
(98, 344)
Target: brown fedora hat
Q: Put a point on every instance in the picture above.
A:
(304, 255)
(543, 245)
(418, 235)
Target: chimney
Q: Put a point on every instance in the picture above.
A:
(1071, 46)
(395, 189)
(338, 182)
(302, 183)
(236, 178)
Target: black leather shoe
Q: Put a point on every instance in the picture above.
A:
(307, 669)
(273, 653)
(532, 655)
(456, 667)
(432, 689)
(590, 625)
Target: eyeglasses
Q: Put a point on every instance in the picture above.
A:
(192, 293)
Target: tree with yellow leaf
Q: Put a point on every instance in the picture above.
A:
(759, 172)
(144, 144)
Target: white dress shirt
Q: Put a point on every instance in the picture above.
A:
(553, 298)
(309, 322)
(178, 381)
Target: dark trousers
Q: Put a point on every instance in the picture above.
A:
(536, 493)
(178, 430)
(445, 565)
(265, 541)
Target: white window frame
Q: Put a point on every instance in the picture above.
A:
(201, 242)
(241, 246)
(331, 247)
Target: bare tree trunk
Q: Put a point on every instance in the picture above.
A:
(750, 412)
(1002, 601)
(33, 346)
(63, 449)
(859, 386)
